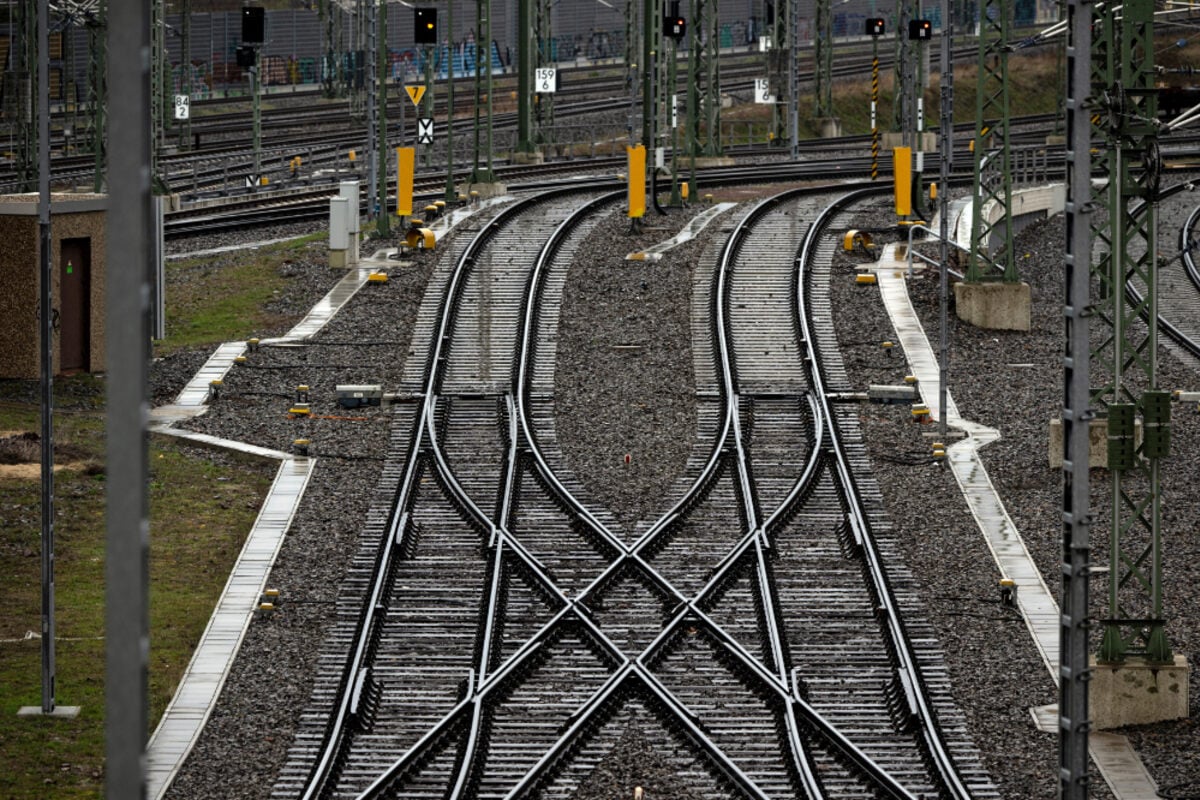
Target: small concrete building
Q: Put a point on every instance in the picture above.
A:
(77, 228)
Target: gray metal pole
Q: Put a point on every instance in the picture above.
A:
(384, 222)
(257, 109)
(793, 78)
(946, 149)
(370, 52)
(451, 192)
(127, 337)
(46, 310)
(1076, 413)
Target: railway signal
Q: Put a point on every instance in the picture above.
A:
(874, 27)
(920, 29)
(425, 25)
(675, 27)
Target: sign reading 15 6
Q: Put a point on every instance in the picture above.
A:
(545, 81)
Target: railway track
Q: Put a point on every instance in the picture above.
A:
(498, 637)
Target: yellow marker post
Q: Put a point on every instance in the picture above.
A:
(637, 181)
(902, 170)
(405, 160)
(683, 191)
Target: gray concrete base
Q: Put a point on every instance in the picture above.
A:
(994, 306)
(1137, 693)
(58, 712)
(704, 162)
(1055, 138)
(830, 127)
(339, 259)
(925, 143)
(1097, 442)
(535, 157)
(487, 190)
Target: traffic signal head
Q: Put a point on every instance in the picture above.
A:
(253, 25)
(920, 29)
(425, 25)
(675, 27)
(875, 27)
(245, 56)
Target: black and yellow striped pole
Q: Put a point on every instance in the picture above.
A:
(874, 30)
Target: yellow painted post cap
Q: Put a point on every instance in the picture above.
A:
(865, 279)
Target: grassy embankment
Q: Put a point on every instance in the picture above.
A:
(200, 514)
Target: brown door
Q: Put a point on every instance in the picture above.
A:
(74, 316)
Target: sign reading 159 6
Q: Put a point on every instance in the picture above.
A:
(546, 80)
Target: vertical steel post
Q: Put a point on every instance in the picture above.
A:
(481, 171)
(97, 88)
(946, 150)
(793, 68)
(26, 57)
(525, 35)
(874, 107)
(428, 99)
(1135, 623)
(1076, 414)
(46, 326)
(383, 221)
(823, 53)
(370, 72)
(649, 15)
(256, 107)
(127, 342)
(451, 193)
(991, 256)
(185, 66)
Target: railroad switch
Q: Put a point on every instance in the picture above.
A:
(214, 389)
(1008, 592)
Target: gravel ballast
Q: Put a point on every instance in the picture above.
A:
(639, 399)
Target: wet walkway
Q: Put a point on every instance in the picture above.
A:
(1116, 760)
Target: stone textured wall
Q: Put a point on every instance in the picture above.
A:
(72, 217)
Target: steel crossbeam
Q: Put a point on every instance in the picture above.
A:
(991, 256)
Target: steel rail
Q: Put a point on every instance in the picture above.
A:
(366, 631)
(904, 658)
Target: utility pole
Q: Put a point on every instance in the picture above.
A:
(383, 221)
(451, 193)
(823, 51)
(1135, 623)
(97, 29)
(369, 31)
(1076, 414)
(185, 66)
(525, 36)
(991, 256)
(482, 169)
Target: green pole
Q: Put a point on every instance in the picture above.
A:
(383, 220)
(428, 99)
(451, 194)
(524, 71)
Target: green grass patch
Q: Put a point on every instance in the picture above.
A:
(200, 514)
(225, 298)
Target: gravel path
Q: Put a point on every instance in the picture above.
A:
(625, 385)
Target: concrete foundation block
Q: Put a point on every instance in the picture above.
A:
(486, 191)
(535, 157)
(1137, 693)
(926, 142)
(830, 127)
(994, 306)
(339, 259)
(1097, 442)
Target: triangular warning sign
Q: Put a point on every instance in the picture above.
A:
(415, 93)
